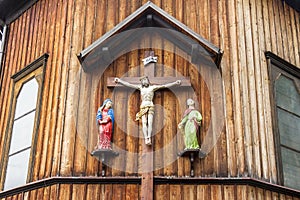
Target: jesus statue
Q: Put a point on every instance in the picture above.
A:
(147, 107)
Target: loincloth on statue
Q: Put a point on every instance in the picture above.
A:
(144, 110)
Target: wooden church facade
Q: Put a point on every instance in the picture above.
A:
(228, 54)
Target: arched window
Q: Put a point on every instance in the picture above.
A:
(285, 87)
(21, 139)
(22, 129)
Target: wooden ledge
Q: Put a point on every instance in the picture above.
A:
(192, 154)
(189, 152)
(158, 180)
(106, 152)
(103, 155)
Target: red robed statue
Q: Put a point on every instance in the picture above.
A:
(105, 123)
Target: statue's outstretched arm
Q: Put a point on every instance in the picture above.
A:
(167, 85)
(127, 84)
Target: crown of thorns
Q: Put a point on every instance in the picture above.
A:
(144, 77)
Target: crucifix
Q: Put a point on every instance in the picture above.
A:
(147, 111)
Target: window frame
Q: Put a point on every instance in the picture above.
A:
(2, 35)
(2, 47)
(34, 70)
(277, 65)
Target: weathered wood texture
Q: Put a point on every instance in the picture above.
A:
(244, 29)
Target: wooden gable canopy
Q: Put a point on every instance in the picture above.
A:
(147, 19)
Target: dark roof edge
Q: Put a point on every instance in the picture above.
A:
(294, 4)
(19, 11)
(139, 11)
(186, 28)
(114, 30)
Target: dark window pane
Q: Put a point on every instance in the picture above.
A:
(1, 35)
(22, 133)
(291, 167)
(285, 81)
(287, 96)
(289, 129)
(17, 168)
(27, 98)
(288, 111)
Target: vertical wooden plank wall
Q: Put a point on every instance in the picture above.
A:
(244, 29)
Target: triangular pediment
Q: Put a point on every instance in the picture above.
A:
(148, 18)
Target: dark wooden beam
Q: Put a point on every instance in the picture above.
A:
(69, 180)
(185, 82)
(147, 176)
(158, 180)
(147, 157)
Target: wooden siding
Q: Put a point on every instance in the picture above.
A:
(244, 29)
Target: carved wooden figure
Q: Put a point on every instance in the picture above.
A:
(147, 107)
(105, 122)
(189, 125)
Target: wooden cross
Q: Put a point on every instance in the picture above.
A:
(147, 156)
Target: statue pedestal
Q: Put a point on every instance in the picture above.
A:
(103, 155)
(192, 154)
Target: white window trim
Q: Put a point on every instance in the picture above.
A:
(2, 42)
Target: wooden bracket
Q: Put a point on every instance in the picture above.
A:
(192, 154)
(103, 155)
